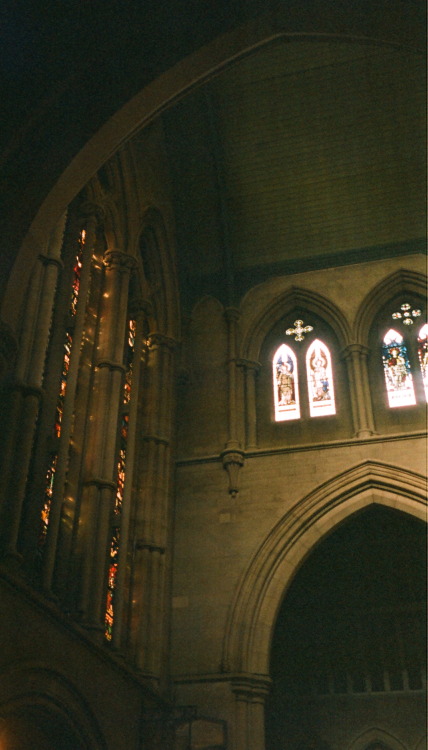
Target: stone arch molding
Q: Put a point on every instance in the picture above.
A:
(401, 282)
(261, 590)
(373, 735)
(259, 326)
(31, 684)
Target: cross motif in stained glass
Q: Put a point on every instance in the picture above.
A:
(299, 330)
(406, 314)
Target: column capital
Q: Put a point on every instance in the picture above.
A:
(159, 339)
(233, 459)
(232, 314)
(118, 260)
(118, 366)
(251, 686)
(100, 483)
(248, 364)
(48, 260)
(27, 389)
(352, 349)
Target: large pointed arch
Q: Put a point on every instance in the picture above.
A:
(29, 684)
(373, 735)
(261, 589)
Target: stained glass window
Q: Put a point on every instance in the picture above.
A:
(423, 356)
(59, 411)
(49, 483)
(63, 383)
(398, 375)
(320, 380)
(285, 384)
(120, 483)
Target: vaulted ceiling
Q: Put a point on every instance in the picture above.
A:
(305, 154)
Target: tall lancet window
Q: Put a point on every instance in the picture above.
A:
(62, 390)
(398, 375)
(320, 380)
(423, 356)
(120, 482)
(285, 384)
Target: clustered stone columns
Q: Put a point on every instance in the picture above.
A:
(153, 510)
(99, 488)
(355, 356)
(251, 370)
(250, 695)
(233, 455)
(26, 390)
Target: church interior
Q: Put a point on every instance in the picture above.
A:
(214, 376)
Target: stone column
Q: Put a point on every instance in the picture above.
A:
(250, 695)
(233, 455)
(355, 356)
(251, 370)
(99, 489)
(153, 513)
(26, 390)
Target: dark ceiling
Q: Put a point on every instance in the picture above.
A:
(67, 67)
(306, 154)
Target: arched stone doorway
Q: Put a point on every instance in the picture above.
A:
(348, 649)
(38, 728)
(247, 646)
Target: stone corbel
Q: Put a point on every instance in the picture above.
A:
(233, 460)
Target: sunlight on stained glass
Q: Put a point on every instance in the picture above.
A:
(285, 384)
(396, 365)
(320, 380)
(423, 356)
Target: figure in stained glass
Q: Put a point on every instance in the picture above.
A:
(423, 356)
(398, 376)
(285, 380)
(320, 380)
(285, 384)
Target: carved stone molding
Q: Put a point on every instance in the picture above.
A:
(100, 483)
(26, 389)
(155, 439)
(141, 544)
(48, 260)
(351, 349)
(251, 687)
(233, 460)
(159, 339)
(118, 260)
(112, 366)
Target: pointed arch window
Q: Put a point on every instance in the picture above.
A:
(120, 480)
(319, 373)
(285, 384)
(397, 370)
(314, 362)
(423, 356)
